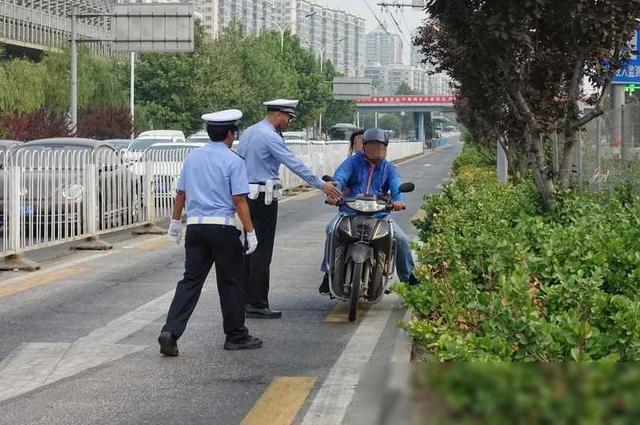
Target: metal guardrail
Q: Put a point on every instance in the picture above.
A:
(53, 196)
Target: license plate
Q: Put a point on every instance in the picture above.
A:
(27, 209)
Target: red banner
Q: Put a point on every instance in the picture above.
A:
(418, 99)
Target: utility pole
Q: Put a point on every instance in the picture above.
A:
(73, 109)
(132, 106)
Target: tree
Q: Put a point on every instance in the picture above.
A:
(522, 70)
(404, 90)
(338, 111)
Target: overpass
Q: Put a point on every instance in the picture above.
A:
(37, 25)
(422, 107)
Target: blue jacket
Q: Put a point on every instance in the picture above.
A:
(362, 177)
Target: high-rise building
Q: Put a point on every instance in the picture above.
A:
(335, 35)
(383, 48)
(386, 79)
(253, 16)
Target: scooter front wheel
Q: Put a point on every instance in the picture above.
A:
(356, 283)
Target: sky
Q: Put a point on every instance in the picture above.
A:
(407, 18)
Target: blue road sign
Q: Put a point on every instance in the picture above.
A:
(630, 71)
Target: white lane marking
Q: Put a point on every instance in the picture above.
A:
(402, 346)
(334, 397)
(428, 165)
(34, 365)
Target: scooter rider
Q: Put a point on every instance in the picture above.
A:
(368, 172)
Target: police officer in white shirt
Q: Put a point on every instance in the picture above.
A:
(213, 185)
(264, 150)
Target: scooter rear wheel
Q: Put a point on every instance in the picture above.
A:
(356, 283)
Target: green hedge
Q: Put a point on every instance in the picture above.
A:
(473, 155)
(501, 280)
(525, 393)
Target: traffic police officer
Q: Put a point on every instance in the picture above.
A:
(264, 150)
(214, 185)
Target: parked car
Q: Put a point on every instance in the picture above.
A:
(6, 146)
(119, 144)
(296, 136)
(160, 158)
(199, 137)
(53, 184)
(203, 137)
(165, 162)
(148, 138)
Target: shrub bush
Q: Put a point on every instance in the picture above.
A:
(473, 155)
(502, 280)
(550, 393)
(39, 124)
(105, 123)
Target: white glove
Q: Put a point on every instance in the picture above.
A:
(175, 231)
(252, 242)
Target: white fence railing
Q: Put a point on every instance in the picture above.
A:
(52, 196)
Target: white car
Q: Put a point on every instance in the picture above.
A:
(164, 158)
(199, 137)
(296, 136)
(203, 137)
(148, 138)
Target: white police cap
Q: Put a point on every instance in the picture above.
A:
(287, 106)
(223, 118)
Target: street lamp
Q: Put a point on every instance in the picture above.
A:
(283, 29)
(322, 50)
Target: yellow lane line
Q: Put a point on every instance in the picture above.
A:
(340, 314)
(154, 243)
(39, 280)
(281, 401)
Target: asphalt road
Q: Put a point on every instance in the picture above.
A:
(78, 338)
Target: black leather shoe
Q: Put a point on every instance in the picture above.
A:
(247, 343)
(168, 344)
(261, 313)
(413, 280)
(324, 286)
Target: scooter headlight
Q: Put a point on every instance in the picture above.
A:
(366, 206)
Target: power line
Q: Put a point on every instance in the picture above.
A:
(376, 16)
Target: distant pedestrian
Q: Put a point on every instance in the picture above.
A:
(356, 142)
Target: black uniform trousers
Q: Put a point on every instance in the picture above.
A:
(206, 244)
(265, 218)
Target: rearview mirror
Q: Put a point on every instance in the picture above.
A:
(407, 187)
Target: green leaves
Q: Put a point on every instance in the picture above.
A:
(233, 71)
(502, 280)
